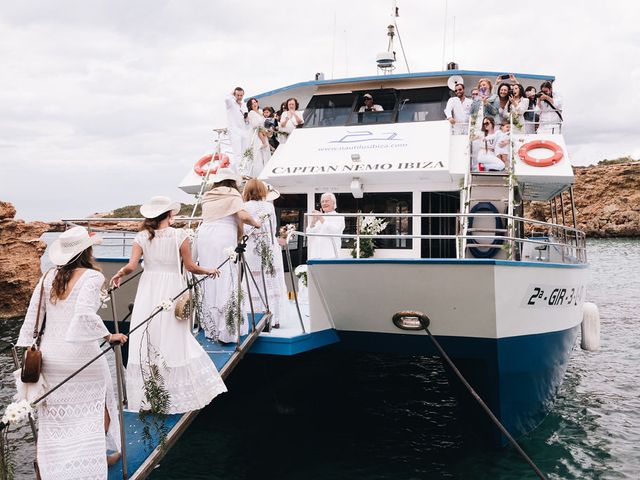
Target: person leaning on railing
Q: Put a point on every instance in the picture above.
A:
(71, 443)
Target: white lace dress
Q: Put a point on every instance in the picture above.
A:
(213, 238)
(276, 286)
(190, 376)
(71, 437)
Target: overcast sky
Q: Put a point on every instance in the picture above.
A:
(105, 103)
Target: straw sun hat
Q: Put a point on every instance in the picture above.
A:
(70, 244)
(225, 174)
(272, 193)
(158, 205)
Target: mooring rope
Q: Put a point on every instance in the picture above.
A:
(424, 322)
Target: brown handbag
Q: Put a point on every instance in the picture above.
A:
(32, 362)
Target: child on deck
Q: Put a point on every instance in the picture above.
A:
(503, 137)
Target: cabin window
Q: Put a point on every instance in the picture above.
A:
(290, 209)
(395, 202)
(328, 110)
(439, 202)
(422, 104)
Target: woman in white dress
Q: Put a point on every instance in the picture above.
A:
(265, 239)
(486, 145)
(329, 224)
(72, 420)
(189, 375)
(259, 139)
(222, 218)
(518, 105)
(289, 120)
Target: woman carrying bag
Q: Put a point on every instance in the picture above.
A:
(190, 377)
(73, 420)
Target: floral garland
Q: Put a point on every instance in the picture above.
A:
(15, 414)
(233, 308)
(263, 248)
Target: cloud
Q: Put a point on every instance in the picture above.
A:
(106, 103)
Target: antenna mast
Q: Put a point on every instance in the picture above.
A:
(385, 60)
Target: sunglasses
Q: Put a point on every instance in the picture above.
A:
(486, 123)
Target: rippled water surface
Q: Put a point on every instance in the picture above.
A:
(337, 415)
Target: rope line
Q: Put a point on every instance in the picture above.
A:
(425, 325)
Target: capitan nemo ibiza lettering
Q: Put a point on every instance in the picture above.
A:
(356, 168)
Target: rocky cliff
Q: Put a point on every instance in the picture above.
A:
(20, 252)
(607, 198)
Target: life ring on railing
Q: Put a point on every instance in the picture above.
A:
(524, 150)
(221, 158)
(489, 252)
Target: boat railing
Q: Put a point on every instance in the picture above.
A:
(569, 242)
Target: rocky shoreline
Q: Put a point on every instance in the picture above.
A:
(607, 198)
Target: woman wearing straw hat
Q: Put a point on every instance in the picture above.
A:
(71, 440)
(190, 377)
(223, 215)
(263, 249)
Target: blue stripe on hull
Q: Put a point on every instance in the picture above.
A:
(518, 377)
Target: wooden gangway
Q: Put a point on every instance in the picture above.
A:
(142, 455)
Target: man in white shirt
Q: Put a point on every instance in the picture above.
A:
(330, 224)
(236, 124)
(550, 109)
(457, 111)
(369, 106)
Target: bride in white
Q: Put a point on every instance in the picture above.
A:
(73, 419)
(190, 377)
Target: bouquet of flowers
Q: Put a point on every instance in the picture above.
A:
(285, 230)
(368, 226)
(14, 414)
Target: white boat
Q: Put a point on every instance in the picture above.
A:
(502, 294)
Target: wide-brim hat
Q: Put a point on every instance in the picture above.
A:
(272, 193)
(225, 173)
(158, 205)
(70, 244)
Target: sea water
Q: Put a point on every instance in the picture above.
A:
(336, 415)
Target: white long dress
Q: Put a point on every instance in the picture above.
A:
(190, 376)
(71, 437)
(326, 247)
(276, 286)
(261, 153)
(212, 239)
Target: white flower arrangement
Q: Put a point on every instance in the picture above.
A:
(230, 252)
(369, 226)
(191, 234)
(166, 305)
(17, 412)
(301, 273)
(285, 230)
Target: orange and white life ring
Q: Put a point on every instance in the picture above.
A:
(524, 150)
(221, 158)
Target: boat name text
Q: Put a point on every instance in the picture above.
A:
(356, 168)
(553, 296)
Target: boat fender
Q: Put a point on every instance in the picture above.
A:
(221, 158)
(524, 150)
(590, 329)
(489, 252)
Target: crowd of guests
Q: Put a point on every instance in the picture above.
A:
(503, 109)
(78, 423)
(256, 132)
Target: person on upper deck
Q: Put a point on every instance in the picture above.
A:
(260, 149)
(518, 105)
(290, 119)
(329, 224)
(457, 111)
(486, 144)
(369, 106)
(236, 124)
(504, 93)
(485, 102)
(550, 109)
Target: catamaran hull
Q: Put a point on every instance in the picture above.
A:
(508, 326)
